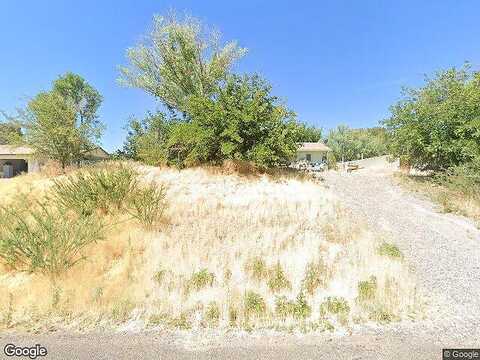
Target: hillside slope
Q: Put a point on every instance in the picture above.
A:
(233, 252)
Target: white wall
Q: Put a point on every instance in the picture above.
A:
(317, 156)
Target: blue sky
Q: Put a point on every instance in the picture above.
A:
(332, 61)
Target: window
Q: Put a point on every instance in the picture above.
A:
(309, 157)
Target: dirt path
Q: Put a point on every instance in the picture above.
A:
(442, 250)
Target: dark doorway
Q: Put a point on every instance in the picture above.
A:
(14, 167)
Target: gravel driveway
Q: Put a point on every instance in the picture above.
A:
(442, 250)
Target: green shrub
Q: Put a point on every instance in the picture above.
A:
(121, 310)
(334, 305)
(257, 268)
(254, 304)
(213, 313)
(181, 322)
(390, 250)
(105, 189)
(202, 279)
(367, 289)
(277, 280)
(464, 178)
(109, 190)
(40, 239)
(298, 309)
(147, 205)
(381, 315)
(435, 127)
(159, 276)
(315, 276)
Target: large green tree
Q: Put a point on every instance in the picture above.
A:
(242, 122)
(178, 59)
(62, 124)
(216, 115)
(437, 126)
(85, 98)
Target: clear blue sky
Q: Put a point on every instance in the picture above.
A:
(332, 61)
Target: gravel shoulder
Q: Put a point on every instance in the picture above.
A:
(441, 249)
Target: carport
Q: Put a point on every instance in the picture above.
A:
(15, 160)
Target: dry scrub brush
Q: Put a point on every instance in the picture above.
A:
(236, 252)
(455, 194)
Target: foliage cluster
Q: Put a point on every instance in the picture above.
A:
(48, 236)
(214, 115)
(110, 189)
(437, 126)
(45, 239)
(352, 144)
(60, 124)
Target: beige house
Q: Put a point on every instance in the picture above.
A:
(15, 160)
(312, 152)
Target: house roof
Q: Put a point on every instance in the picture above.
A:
(25, 150)
(313, 146)
(15, 150)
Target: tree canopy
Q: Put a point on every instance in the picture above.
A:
(215, 115)
(243, 122)
(62, 124)
(85, 99)
(437, 126)
(179, 58)
(352, 144)
(10, 133)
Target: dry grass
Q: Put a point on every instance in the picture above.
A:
(235, 252)
(450, 201)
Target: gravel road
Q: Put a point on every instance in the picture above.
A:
(442, 250)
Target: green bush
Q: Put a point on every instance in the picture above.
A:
(257, 268)
(277, 280)
(352, 144)
(109, 190)
(316, 275)
(298, 309)
(390, 250)
(201, 279)
(367, 289)
(244, 121)
(40, 239)
(147, 204)
(436, 127)
(254, 304)
(464, 178)
(212, 314)
(105, 189)
(335, 305)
